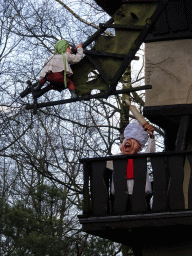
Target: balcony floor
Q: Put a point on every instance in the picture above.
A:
(151, 230)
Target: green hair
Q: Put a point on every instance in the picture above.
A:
(60, 48)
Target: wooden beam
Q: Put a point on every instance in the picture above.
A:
(137, 156)
(127, 27)
(139, 1)
(99, 69)
(88, 97)
(96, 34)
(108, 54)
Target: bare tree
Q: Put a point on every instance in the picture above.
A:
(40, 154)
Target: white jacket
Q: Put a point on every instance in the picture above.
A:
(55, 63)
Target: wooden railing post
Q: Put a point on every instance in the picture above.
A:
(175, 193)
(99, 192)
(86, 192)
(190, 184)
(139, 204)
(159, 184)
(120, 184)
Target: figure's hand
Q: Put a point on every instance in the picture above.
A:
(129, 147)
(69, 50)
(150, 128)
(79, 46)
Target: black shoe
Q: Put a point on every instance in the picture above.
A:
(37, 87)
(73, 94)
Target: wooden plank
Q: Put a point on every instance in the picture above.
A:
(188, 9)
(35, 106)
(88, 97)
(108, 181)
(177, 9)
(96, 34)
(99, 193)
(175, 193)
(99, 69)
(141, 220)
(120, 184)
(138, 156)
(161, 26)
(86, 192)
(168, 110)
(181, 140)
(138, 198)
(159, 185)
(139, 1)
(108, 54)
(190, 185)
(162, 231)
(117, 26)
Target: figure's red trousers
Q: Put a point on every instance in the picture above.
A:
(56, 79)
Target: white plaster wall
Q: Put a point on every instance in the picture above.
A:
(169, 71)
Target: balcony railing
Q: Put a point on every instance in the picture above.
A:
(168, 185)
(166, 223)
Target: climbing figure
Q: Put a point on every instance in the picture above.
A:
(57, 70)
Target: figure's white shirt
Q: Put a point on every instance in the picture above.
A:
(55, 63)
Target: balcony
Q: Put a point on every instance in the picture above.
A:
(128, 218)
